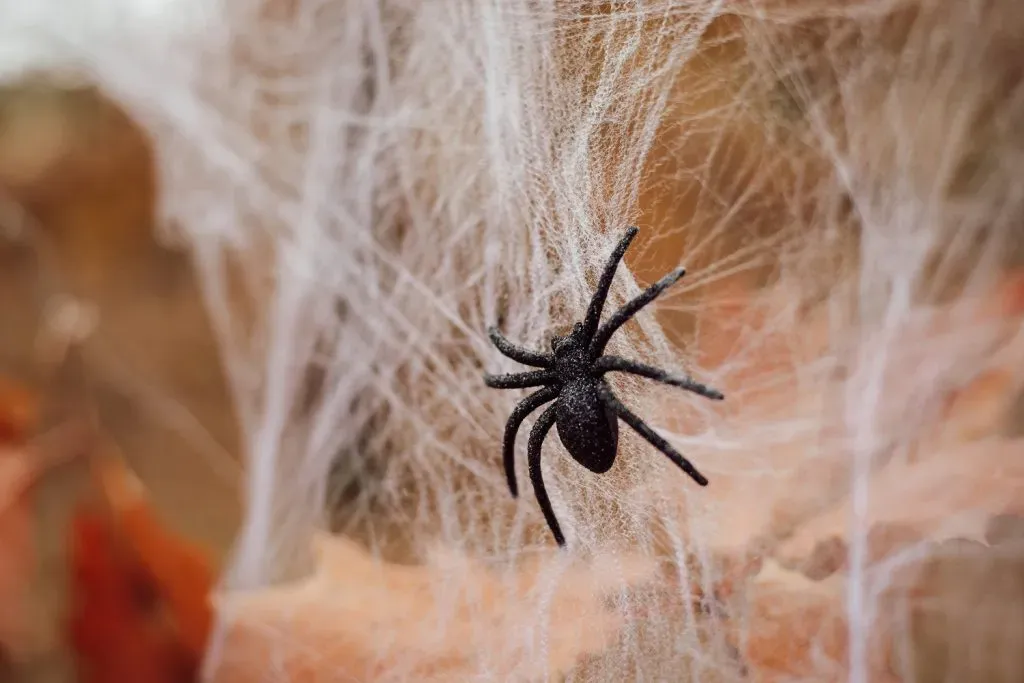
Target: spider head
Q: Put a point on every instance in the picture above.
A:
(562, 346)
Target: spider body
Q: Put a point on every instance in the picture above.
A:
(585, 410)
(586, 426)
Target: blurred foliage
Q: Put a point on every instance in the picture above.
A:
(77, 203)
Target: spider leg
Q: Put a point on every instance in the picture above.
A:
(623, 315)
(518, 353)
(616, 364)
(520, 380)
(515, 421)
(652, 437)
(537, 434)
(593, 317)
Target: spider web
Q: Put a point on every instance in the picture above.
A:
(366, 186)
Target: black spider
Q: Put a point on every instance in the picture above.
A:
(585, 409)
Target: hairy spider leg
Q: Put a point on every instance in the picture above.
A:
(616, 364)
(652, 437)
(515, 421)
(594, 310)
(520, 380)
(623, 315)
(518, 353)
(537, 435)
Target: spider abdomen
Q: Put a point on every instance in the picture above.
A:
(587, 427)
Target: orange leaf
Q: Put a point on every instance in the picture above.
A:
(448, 620)
(19, 412)
(797, 630)
(21, 465)
(180, 571)
(140, 594)
(17, 553)
(112, 628)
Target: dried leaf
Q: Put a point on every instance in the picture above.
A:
(790, 462)
(115, 627)
(359, 619)
(19, 412)
(964, 620)
(950, 378)
(951, 495)
(21, 465)
(18, 633)
(181, 573)
(797, 630)
(140, 594)
(962, 472)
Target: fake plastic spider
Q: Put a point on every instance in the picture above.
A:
(585, 409)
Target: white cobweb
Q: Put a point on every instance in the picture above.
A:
(367, 185)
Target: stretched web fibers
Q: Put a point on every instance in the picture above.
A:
(366, 186)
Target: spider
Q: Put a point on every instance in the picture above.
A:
(585, 409)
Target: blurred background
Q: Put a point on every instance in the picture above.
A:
(78, 239)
